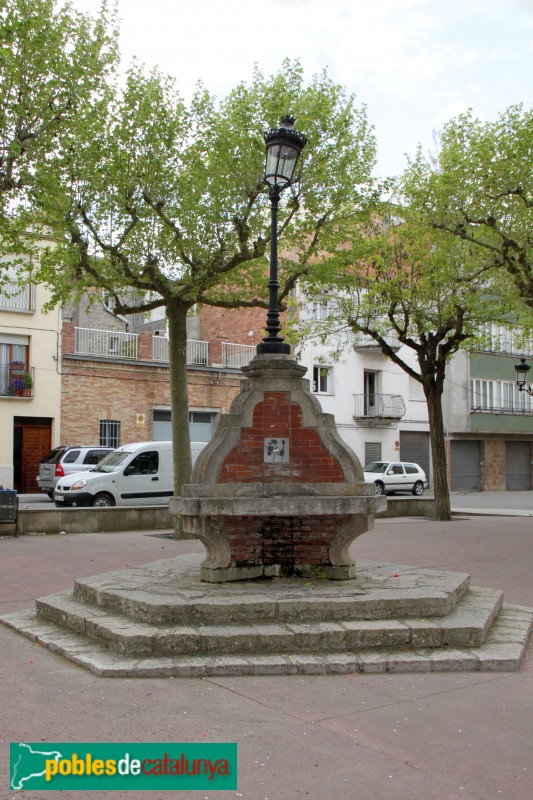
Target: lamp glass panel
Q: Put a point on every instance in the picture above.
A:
(280, 164)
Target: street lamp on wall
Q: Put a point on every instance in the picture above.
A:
(283, 148)
(521, 376)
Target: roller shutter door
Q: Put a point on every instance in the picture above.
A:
(517, 466)
(465, 467)
(415, 447)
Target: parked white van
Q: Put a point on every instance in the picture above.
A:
(132, 475)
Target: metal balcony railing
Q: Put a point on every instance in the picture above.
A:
(197, 351)
(379, 406)
(363, 342)
(111, 344)
(237, 355)
(16, 380)
(14, 297)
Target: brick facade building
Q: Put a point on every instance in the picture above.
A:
(99, 389)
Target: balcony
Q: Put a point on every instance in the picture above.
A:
(14, 297)
(237, 355)
(377, 409)
(197, 351)
(16, 380)
(363, 343)
(110, 344)
(146, 347)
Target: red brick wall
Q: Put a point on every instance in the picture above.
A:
(97, 390)
(219, 325)
(281, 540)
(310, 461)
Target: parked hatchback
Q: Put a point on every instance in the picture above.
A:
(395, 476)
(66, 459)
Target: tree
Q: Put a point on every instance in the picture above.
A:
(167, 199)
(418, 287)
(479, 188)
(51, 62)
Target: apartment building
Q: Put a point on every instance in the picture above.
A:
(489, 423)
(30, 379)
(380, 411)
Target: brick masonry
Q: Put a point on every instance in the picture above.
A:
(100, 389)
(286, 541)
(310, 461)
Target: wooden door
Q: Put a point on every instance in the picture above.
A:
(32, 442)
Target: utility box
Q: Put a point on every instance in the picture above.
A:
(9, 506)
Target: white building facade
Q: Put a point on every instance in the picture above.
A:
(30, 380)
(379, 410)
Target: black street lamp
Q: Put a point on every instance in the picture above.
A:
(283, 148)
(521, 375)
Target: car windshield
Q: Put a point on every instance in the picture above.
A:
(111, 462)
(376, 466)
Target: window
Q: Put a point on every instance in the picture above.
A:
(144, 464)
(411, 469)
(370, 384)
(109, 432)
(71, 456)
(499, 397)
(14, 363)
(322, 380)
(395, 469)
(109, 302)
(94, 456)
(321, 311)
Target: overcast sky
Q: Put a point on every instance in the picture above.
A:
(413, 63)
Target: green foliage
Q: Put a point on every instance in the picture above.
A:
(480, 189)
(413, 286)
(52, 62)
(168, 197)
(150, 193)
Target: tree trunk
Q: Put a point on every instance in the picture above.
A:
(441, 491)
(179, 400)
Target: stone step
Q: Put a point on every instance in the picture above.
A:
(467, 625)
(503, 650)
(169, 592)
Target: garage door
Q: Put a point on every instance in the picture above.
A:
(518, 466)
(415, 447)
(465, 466)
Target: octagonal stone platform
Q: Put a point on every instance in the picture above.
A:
(161, 620)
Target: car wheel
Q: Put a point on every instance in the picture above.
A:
(418, 488)
(102, 500)
(379, 488)
(50, 495)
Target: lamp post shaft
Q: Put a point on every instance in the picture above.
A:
(273, 343)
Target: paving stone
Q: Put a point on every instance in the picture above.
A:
(341, 663)
(229, 665)
(373, 633)
(269, 665)
(452, 659)
(371, 661)
(404, 661)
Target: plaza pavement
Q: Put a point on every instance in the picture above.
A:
(447, 736)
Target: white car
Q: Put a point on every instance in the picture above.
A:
(395, 476)
(136, 474)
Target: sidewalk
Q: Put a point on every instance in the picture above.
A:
(370, 737)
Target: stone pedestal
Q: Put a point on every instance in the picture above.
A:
(276, 492)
